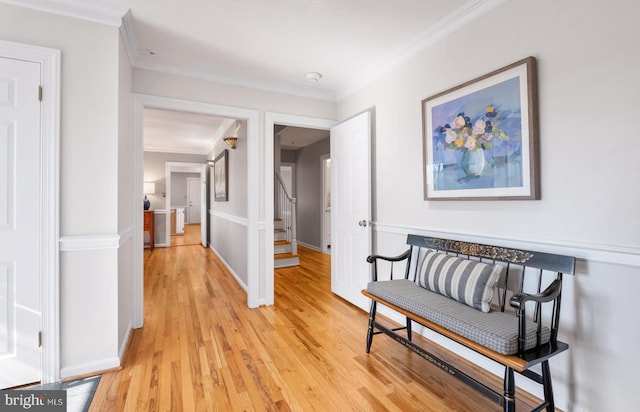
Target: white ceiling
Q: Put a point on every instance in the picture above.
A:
(180, 132)
(293, 138)
(269, 44)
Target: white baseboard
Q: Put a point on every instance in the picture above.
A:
(84, 369)
(233, 273)
(316, 248)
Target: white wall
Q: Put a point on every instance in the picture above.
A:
(588, 88)
(88, 160)
(179, 188)
(309, 192)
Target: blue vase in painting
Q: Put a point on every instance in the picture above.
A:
(473, 162)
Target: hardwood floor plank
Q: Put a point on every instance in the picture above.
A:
(202, 349)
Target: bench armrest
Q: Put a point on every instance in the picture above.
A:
(549, 294)
(373, 259)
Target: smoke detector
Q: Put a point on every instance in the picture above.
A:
(313, 77)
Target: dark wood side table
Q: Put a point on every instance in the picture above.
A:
(147, 234)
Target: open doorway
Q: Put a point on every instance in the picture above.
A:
(250, 260)
(186, 203)
(297, 152)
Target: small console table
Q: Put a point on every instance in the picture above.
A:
(147, 234)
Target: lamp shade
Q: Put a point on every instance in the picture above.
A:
(149, 188)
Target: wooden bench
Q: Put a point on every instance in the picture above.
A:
(460, 289)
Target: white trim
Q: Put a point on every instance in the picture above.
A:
(83, 369)
(49, 60)
(610, 254)
(231, 218)
(252, 118)
(128, 33)
(323, 211)
(89, 242)
(125, 236)
(109, 13)
(270, 119)
(312, 247)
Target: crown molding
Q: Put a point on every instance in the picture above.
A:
(103, 12)
(128, 34)
(455, 20)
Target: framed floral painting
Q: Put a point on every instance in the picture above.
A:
(480, 139)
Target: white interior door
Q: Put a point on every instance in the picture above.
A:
(20, 234)
(325, 166)
(204, 213)
(193, 199)
(351, 208)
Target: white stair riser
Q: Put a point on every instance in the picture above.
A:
(283, 263)
(282, 248)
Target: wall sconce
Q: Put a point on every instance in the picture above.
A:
(231, 141)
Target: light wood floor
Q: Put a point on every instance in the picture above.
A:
(202, 349)
(191, 236)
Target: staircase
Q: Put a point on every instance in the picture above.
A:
(285, 245)
(284, 253)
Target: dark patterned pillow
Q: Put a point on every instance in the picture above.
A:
(466, 281)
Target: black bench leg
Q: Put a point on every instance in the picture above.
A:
(509, 391)
(548, 387)
(409, 329)
(372, 322)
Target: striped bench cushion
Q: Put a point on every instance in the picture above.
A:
(466, 281)
(495, 330)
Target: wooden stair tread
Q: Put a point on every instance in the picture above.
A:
(285, 256)
(281, 242)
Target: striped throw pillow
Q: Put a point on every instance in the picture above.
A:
(466, 281)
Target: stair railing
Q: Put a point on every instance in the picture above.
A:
(285, 210)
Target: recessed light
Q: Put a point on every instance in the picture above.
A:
(313, 77)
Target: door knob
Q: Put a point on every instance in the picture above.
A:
(362, 223)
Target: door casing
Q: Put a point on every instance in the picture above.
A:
(271, 119)
(49, 250)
